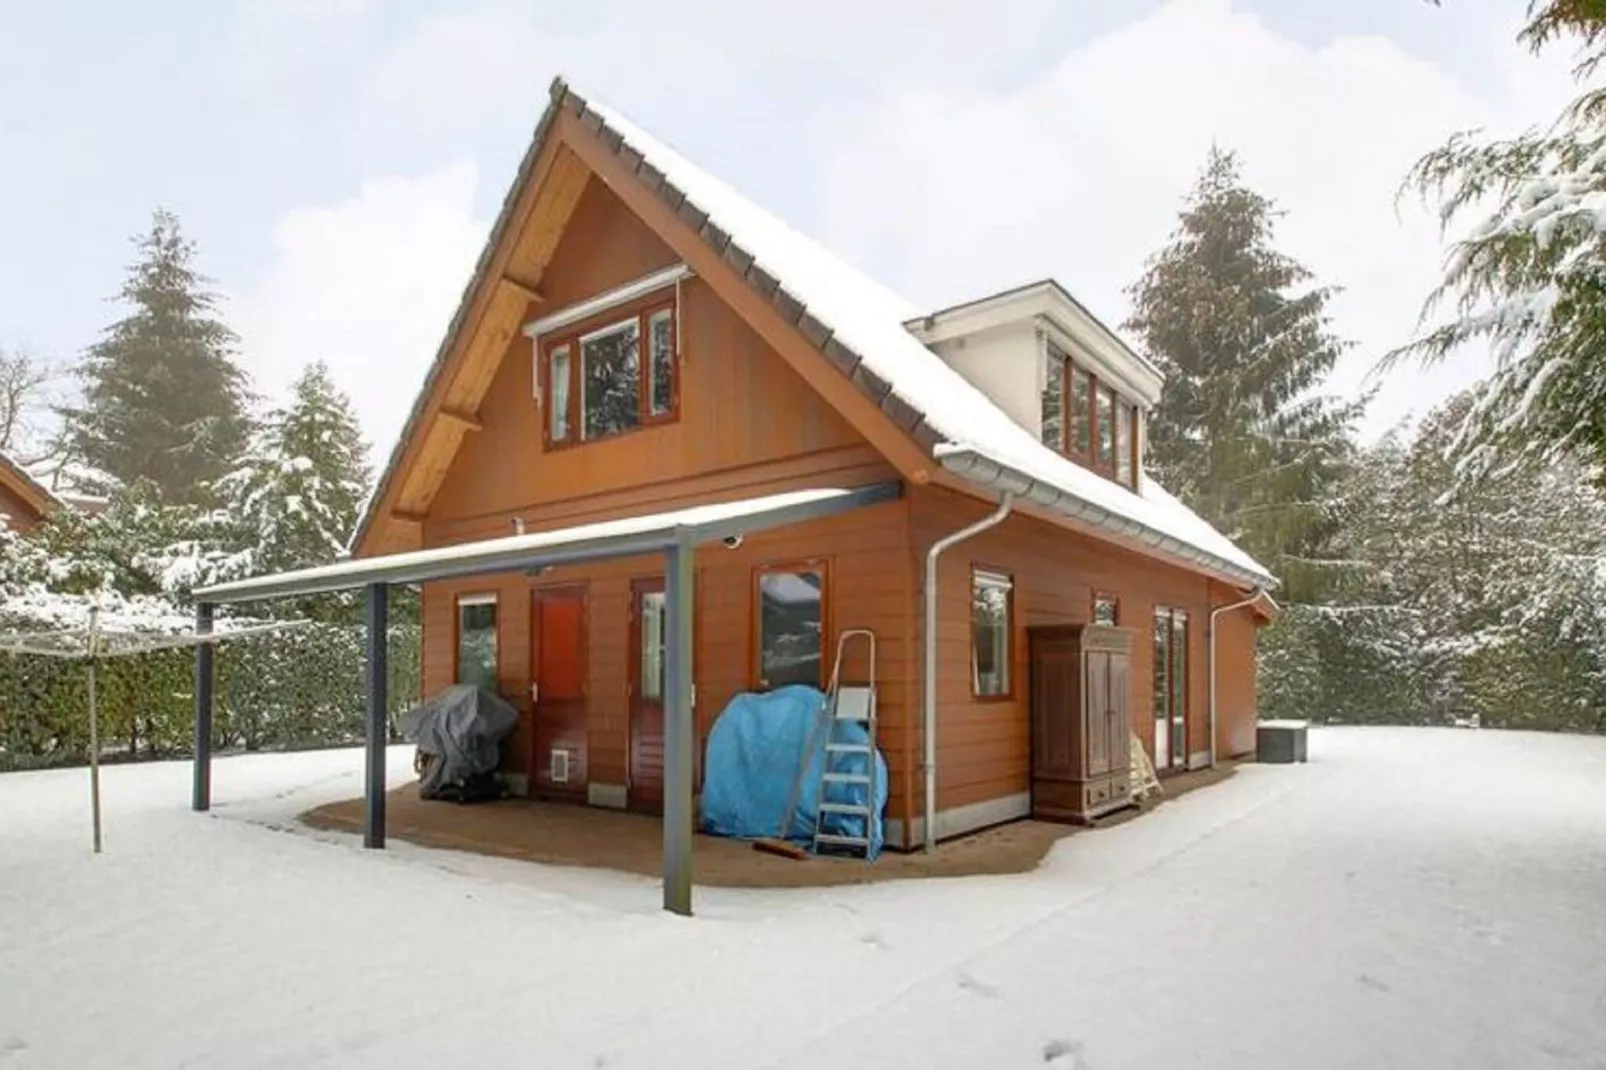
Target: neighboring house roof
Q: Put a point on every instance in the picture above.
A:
(34, 494)
(67, 479)
(858, 325)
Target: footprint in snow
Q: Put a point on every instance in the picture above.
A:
(1063, 1055)
(981, 988)
(875, 940)
(1372, 982)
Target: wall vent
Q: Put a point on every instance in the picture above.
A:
(558, 767)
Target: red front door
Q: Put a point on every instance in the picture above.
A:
(558, 690)
(647, 694)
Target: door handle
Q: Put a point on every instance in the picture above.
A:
(535, 693)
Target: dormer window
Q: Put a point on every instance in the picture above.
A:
(1087, 420)
(1016, 347)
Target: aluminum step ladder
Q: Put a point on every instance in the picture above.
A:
(849, 765)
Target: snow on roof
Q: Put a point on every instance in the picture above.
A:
(23, 483)
(608, 538)
(869, 319)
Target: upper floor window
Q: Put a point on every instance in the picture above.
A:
(1053, 424)
(1106, 608)
(611, 375)
(1088, 421)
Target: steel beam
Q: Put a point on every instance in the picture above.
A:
(679, 738)
(373, 831)
(201, 789)
(588, 542)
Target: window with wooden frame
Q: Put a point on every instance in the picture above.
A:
(1104, 425)
(1170, 688)
(1106, 608)
(476, 658)
(789, 624)
(1087, 420)
(614, 373)
(992, 605)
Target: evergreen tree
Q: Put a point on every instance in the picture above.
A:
(1241, 433)
(1487, 599)
(297, 490)
(1528, 279)
(162, 397)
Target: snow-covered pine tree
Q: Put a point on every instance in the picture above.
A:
(1489, 599)
(1242, 433)
(297, 489)
(163, 399)
(1528, 276)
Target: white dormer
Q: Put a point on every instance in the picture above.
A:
(1055, 370)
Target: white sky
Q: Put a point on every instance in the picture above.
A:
(340, 161)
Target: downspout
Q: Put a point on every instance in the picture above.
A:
(1254, 597)
(929, 654)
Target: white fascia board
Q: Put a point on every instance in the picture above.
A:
(1059, 316)
(602, 302)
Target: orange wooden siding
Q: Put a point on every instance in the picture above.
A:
(865, 590)
(984, 745)
(741, 405)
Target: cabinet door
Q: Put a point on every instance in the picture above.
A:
(1096, 705)
(1119, 718)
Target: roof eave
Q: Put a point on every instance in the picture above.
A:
(40, 497)
(983, 471)
(504, 217)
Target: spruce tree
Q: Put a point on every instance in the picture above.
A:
(163, 399)
(1241, 432)
(296, 491)
(1526, 281)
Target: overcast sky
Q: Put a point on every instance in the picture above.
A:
(339, 161)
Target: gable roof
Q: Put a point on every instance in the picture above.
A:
(858, 325)
(36, 495)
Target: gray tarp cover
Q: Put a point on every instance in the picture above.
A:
(462, 726)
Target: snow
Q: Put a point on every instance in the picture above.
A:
(1380, 906)
(353, 572)
(41, 608)
(869, 319)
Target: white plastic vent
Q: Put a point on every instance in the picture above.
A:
(558, 767)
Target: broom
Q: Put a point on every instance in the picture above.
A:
(779, 844)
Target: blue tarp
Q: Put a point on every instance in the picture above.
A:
(754, 752)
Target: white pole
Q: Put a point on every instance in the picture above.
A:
(94, 725)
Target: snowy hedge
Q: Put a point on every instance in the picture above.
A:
(298, 688)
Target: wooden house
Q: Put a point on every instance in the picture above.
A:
(637, 337)
(24, 500)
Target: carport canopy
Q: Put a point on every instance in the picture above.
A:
(675, 534)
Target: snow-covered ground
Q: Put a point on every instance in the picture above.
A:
(1413, 898)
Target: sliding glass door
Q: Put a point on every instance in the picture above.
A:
(1170, 688)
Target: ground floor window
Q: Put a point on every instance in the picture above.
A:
(790, 625)
(653, 622)
(991, 596)
(1106, 609)
(1170, 688)
(476, 640)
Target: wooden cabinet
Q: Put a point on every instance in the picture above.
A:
(1081, 680)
